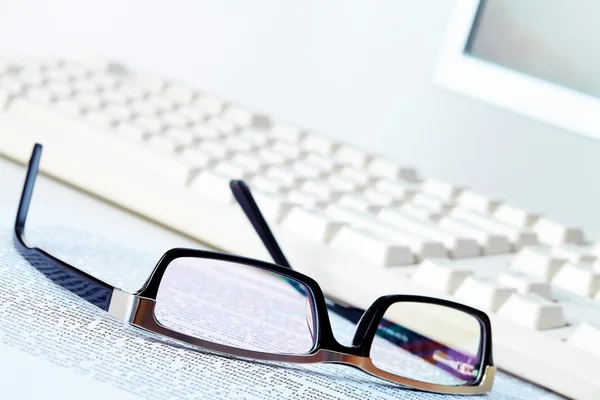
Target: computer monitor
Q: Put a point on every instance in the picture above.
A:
(539, 58)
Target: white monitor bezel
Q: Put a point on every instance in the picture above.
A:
(506, 88)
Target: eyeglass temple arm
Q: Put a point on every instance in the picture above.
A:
(78, 282)
(244, 197)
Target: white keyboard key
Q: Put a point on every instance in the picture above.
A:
(163, 104)
(360, 177)
(61, 90)
(204, 132)
(87, 86)
(574, 253)
(33, 78)
(14, 85)
(182, 137)
(476, 201)
(307, 171)
(150, 125)
(398, 188)
(533, 311)
(106, 82)
(98, 65)
(537, 262)
(580, 279)
(193, 114)
(256, 137)
(442, 190)
(130, 131)
(145, 108)
(238, 144)
(223, 126)
(5, 99)
(421, 212)
(119, 113)
(518, 237)
(381, 198)
(86, 100)
(244, 118)
(318, 144)
(351, 156)
(525, 284)
(420, 246)
(325, 164)
(197, 158)
(100, 119)
(359, 202)
(490, 243)
(321, 190)
(249, 162)
(181, 94)
(586, 337)
(213, 185)
(286, 133)
(163, 144)
(371, 247)
(232, 171)
(270, 159)
(215, 148)
(483, 293)
(285, 175)
(307, 200)
(39, 95)
(390, 170)
(209, 104)
(77, 71)
(289, 151)
(551, 232)
(311, 224)
(433, 203)
(175, 119)
(69, 107)
(150, 83)
(131, 93)
(58, 75)
(342, 184)
(273, 207)
(440, 274)
(457, 246)
(515, 216)
(269, 185)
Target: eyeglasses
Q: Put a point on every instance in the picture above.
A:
(244, 308)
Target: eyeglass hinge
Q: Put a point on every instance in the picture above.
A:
(123, 305)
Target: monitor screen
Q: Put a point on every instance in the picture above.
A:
(557, 41)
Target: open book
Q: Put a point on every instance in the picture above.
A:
(40, 321)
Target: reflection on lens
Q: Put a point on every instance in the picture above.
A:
(236, 305)
(428, 343)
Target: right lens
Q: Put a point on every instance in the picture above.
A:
(429, 343)
(236, 305)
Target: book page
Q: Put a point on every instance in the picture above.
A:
(61, 336)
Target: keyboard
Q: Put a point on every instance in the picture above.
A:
(360, 224)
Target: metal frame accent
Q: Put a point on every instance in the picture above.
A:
(138, 309)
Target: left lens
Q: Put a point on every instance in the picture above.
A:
(237, 305)
(429, 343)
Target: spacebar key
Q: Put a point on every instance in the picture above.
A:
(58, 131)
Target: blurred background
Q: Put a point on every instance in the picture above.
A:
(354, 70)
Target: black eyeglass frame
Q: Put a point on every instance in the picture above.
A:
(138, 308)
